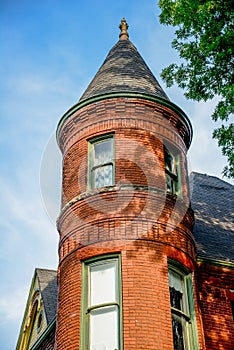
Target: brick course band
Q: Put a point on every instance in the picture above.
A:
(162, 104)
(122, 112)
(135, 215)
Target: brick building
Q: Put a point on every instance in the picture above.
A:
(145, 259)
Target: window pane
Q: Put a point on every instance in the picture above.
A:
(104, 329)
(171, 169)
(177, 291)
(168, 160)
(176, 299)
(169, 184)
(103, 286)
(102, 176)
(102, 152)
(176, 281)
(177, 328)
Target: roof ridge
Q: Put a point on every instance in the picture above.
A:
(208, 177)
(44, 269)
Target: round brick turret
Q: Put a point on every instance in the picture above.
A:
(136, 216)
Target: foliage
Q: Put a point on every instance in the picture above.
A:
(204, 38)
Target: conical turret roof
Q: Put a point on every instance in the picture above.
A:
(124, 70)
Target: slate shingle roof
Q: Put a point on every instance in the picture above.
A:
(124, 70)
(49, 290)
(212, 201)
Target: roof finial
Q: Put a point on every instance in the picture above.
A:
(124, 30)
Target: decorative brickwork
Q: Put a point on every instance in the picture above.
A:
(140, 131)
(135, 217)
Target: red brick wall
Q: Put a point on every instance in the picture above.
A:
(146, 300)
(214, 284)
(141, 222)
(69, 297)
(140, 129)
(124, 215)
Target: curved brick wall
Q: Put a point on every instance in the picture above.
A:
(140, 128)
(135, 217)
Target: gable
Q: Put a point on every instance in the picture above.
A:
(40, 309)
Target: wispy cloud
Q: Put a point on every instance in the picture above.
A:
(11, 305)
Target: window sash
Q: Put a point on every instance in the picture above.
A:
(104, 328)
(100, 275)
(180, 333)
(183, 315)
(102, 175)
(172, 171)
(171, 183)
(101, 162)
(104, 309)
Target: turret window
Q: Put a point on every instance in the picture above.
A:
(101, 162)
(172, 171)
(182, 310)
(102, 305)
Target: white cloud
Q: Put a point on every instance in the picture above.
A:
(12, 304)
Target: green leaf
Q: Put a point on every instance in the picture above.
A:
(204, 39)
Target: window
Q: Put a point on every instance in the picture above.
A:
(39, 321)
(171, 160)
(232, 306)
(101, 162)
(182, 310)
(101, 305)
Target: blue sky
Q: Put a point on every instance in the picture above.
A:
(50, 50)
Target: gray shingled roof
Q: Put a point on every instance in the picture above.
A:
(124, 70)
(212, 202)
(49, 291)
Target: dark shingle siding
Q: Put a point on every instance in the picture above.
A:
(49, 291)
(212, 202)
(124, 70)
